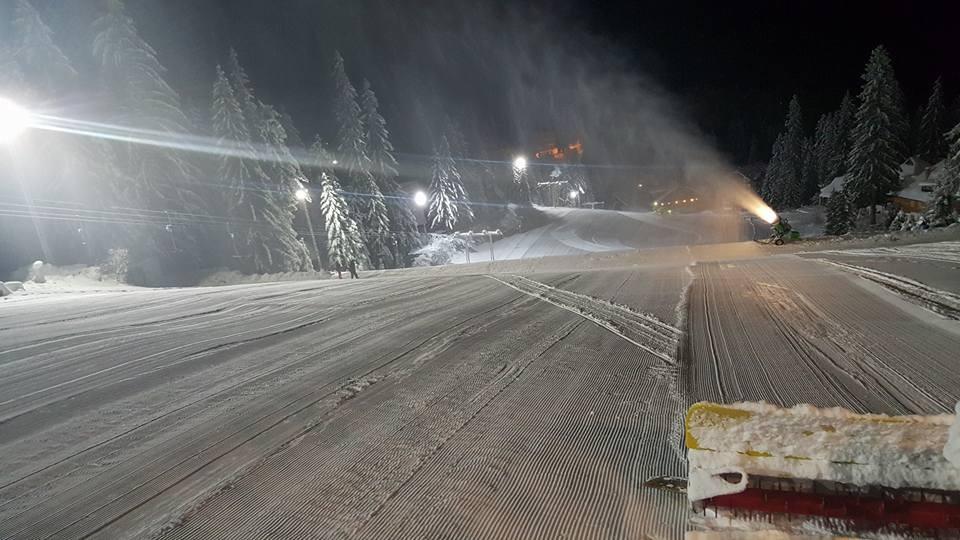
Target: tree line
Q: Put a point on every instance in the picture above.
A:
(865, 140)
(240, 204)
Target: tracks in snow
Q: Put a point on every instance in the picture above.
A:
(794, 331)
(641, 329)
(942, 302)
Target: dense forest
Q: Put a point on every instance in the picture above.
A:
(864, 142)
(233, 184)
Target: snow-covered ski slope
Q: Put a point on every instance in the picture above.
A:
(426, 405)
(576, 231)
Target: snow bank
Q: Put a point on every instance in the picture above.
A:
(49, 279)
(819, 444)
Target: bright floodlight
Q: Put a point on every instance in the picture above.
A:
(14, 119)
(301, 194)
(420, 199)
(574, 193)
(520, 163)
(335, 162)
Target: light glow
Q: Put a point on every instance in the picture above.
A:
(420, 199)
(574, 194)
(766, 213)
(520, 163)
(14, 120)
(302, 195)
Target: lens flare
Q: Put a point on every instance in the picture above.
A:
(14, 120)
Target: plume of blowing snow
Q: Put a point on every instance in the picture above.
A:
(559, 83)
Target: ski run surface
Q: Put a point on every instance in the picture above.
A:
(502, 405)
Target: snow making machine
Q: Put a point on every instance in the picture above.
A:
(828, 471)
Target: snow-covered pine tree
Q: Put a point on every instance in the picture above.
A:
(825, 148)
(844, 127)
(262, 229)
(471, 173)
(458, 193)
(351, 146)
(265, 130)
(449, 204)
(154, 178)
(810, 180)
(368, 203)
(875, 153)
(344, 243)
(404, 238)
(793, 155)
(942, 209)
(379, 149)
(243, 91)
(442, 213)
(772, 191)
(900, 118)
(838, 214)
(783, 186)
(931, 144)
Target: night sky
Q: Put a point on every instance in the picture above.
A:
(730, 67)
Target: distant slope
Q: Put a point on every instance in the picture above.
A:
(575, 231)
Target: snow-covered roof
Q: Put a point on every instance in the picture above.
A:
(835, 185)
(921, 185)
(918, 189)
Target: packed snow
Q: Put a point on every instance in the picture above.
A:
(937, 251)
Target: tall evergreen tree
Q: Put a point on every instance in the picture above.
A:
(153, 178)
(243, 91)
(844, 129)
(344, 243)
(283, 175)
(810, 179)
(403, 239)
(875, 154)
(900, 118)
(783, 187)
(826, 147)
(377, 137)
(772, 191)
(266, 240)
(448, 200)
(931, 143)
(942, 209)
(793, 153)
(368, 202)
(351, 146)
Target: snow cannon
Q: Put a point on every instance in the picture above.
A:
(829, 470)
